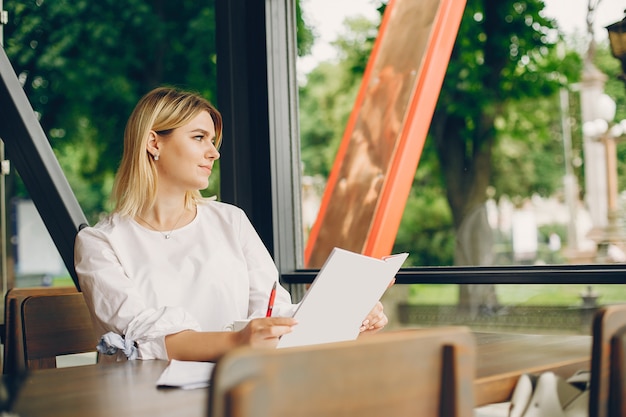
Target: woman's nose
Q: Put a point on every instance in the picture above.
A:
(212, 152)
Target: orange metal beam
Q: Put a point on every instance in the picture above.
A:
(369, 184)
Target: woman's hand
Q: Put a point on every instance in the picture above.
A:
(265, 332)
(375, 320)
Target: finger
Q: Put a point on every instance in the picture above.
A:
(382, 322)
(265, 322)
(373, 317)
(374, 328)
(376, 312)
(268, 338)
(376, 323)
(282, 321)
(272, 327)
(365, 325)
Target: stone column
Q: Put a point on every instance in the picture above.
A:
(596, 187)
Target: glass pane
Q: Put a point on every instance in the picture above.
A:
(511, 181)
(509, 173)
(527, 308)
(36, 259)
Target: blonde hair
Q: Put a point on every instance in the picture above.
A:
(161, 110)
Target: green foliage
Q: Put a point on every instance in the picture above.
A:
(355, 46)
(327, 97)
(502, 55)
(304, 33)
(426, 231)
(529, 157)
(84, 64)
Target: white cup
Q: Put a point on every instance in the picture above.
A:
(236, 325)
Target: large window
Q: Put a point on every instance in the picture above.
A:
(511, 211)
(511, 195)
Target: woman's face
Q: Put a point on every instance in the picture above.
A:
(186, 155)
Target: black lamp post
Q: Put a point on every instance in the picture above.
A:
(617, 38)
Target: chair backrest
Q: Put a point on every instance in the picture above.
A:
(421, 372)
(617, 393)
(55, 325)
(608, 373)
(13, 348)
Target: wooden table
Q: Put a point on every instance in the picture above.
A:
(503, 357)
(111, 390)
(128, 388)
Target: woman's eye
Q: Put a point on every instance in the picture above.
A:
(199, 137)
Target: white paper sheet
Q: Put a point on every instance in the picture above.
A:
(186, 374)
(343, 293)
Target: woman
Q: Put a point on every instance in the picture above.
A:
(168, 270)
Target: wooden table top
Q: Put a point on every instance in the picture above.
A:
(129, 388)
(112, 389)
(503, 357)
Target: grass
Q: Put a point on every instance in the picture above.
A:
(522, 294)
(64, 281)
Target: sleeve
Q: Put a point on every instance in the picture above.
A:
(262, 273)
(116, 304)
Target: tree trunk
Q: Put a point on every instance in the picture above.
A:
(465, 158)
(464, 134)
(474, 246)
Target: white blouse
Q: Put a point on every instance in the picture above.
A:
(144, 287)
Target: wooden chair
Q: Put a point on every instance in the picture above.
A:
(55, 325)
(424, 373)
(618, 374)
(607, 389)
(13, 349)
(608, 371)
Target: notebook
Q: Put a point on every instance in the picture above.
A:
(345, 290)
(186, 375)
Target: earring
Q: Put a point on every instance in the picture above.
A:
(155, 156)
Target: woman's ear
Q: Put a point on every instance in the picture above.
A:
(152, 146)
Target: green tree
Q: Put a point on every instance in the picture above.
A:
(84, 65)
(502, 55)
(494, 126)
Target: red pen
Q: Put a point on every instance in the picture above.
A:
(270, 305)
